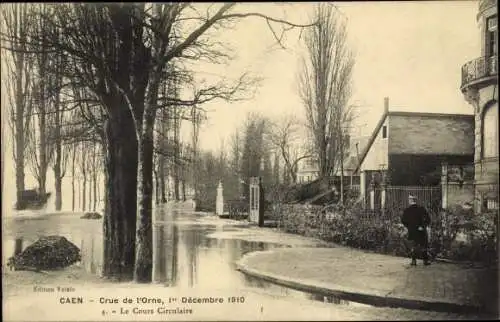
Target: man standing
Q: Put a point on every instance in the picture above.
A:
(416, 219)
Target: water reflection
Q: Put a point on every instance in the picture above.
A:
(165, 254)
(183, 255)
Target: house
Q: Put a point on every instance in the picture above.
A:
(409, 148)
(308, 168)
(480, 88)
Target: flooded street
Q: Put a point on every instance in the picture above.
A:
(184, 255)
(187, 264)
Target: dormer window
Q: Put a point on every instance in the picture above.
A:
(384, 132)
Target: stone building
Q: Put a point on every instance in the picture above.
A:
(480, 88)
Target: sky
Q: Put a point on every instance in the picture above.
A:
(411, 52)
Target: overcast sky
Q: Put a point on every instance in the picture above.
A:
(411, 52)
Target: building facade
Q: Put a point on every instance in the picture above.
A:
(408, 149)
(480, 88)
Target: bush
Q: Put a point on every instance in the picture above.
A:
(47, 253)
(383, 232)
(91, 215)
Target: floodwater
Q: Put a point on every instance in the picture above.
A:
(184, 256)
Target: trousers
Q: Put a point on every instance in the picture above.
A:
(419, 244)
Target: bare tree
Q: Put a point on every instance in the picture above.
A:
(120, 54)
(197, 118)
(15, 29)
(284, 135)
(325, 86)
(82, 169)
(61, 152)
(42, 148)
(73, 175)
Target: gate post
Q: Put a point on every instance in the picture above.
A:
(382, 196)
(256, 213)
(219, 204)
(372, 195)
(261, 203)
(444, 185)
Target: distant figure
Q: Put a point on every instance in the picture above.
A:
(416, 219)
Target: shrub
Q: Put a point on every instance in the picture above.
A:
(383, 232)
(445, 226)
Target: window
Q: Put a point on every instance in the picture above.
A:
(384, 132)
(491, 36)
(490, 131)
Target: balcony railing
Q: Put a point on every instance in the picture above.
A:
(478, 69)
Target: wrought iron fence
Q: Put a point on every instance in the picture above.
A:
(479, 68)
(397, 196)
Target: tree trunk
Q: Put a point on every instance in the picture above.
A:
(176, 174)
(120, 196)
(183, 190)
(161, 179)
(99, 194)
(157, 188)
(19, 126)
(176, 154)
(90, 190)
(42, 178)
(94, 208)
(73, 157)
(163, 188)
(58, 188)
(144, 236)
(84, 192)
(94, 177)
(57, 168)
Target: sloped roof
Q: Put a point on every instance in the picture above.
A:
(383, 118)
(355, 155)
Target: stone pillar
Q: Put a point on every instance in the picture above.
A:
(372, 195)
(444, 185)
(219, 204)
(382, 195)
(362, 187)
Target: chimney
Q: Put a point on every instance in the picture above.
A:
(386, 104)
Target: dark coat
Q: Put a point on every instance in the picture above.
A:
(413, 217)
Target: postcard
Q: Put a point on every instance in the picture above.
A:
(249, 161)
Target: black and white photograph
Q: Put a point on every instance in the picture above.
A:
(250, 161)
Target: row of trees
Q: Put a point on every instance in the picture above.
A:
(105, 74)
(273, 149)
(117, 79)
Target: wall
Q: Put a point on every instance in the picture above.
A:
(485, 95)
(460, 195)
(486, 172)
(431, 134)
(376, 158)
(409, 170)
